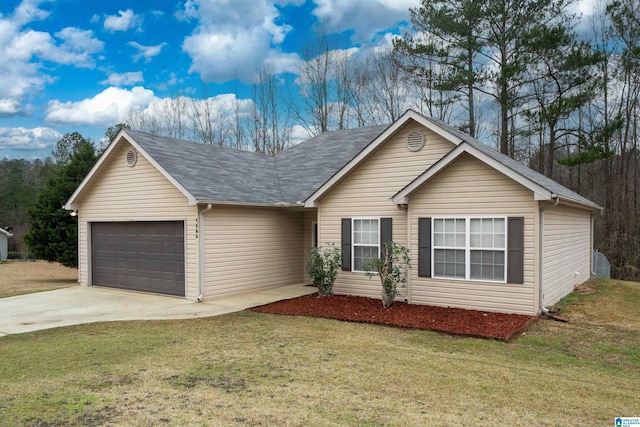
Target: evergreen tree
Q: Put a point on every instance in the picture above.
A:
(449, 35)
(563, 75)
(486, 47)
(53, 235)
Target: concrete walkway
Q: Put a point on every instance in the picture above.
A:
(78, 305)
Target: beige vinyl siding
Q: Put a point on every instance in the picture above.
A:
(366, 192)
(122, 193)
(470, 188)
(252, 248)
(310, 216)
(567, 251)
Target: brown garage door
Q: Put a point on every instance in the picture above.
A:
(139, 256)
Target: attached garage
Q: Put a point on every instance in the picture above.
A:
(145, 256)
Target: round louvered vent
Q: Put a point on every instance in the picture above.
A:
(132, 158)
(415, 141)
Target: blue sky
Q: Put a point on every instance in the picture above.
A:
(80, 65)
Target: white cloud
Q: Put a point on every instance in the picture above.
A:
(77, 48)
(28, 11)
(9, 107)
(226, 55)
(28, 139)
(124, 79)
(24, 51)
(280, 62)
(233, 40)
(110, 106)
(146, 52)
(341, 15)
(123, 21)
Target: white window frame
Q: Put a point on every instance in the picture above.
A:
(353, 240)
(468, 248)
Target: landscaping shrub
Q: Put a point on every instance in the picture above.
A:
(322, 266)
(392, 270)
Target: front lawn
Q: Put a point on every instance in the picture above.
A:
(260, 369)
(19, 277)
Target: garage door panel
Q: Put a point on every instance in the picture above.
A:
(141, 256)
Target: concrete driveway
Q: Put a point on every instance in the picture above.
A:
(78, 305)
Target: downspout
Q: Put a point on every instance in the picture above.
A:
(592, 275)
(201, 249)
(543, 310)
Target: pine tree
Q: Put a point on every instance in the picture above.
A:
(448, 35)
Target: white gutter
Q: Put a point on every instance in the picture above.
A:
(556, 200)
(201, 250)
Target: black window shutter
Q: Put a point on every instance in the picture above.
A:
(515, 250)
(386, 235)
(424, 247)
(346, 244)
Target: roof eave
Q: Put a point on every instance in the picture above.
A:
(249, 204)
(567, 201)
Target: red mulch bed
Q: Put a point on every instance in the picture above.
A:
(455, 321)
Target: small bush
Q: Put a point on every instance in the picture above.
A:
(315, 267)
(392, 270)
(322, 266)
(14, 255)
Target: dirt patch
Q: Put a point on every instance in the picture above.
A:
(455, 321)
(23, 277)
(585, 288)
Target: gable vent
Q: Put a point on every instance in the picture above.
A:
(132, 158)
(415, 141)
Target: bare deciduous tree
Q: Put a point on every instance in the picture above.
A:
(271, 128)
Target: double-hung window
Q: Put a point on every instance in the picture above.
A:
(470, 248)
(449, 247)
(366, 241)
(487, 246)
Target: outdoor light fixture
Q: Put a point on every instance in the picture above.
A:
(74, 213)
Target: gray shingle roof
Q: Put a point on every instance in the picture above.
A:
(220, 174)
(303, 168)
(213, 173)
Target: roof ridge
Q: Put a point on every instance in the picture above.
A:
(196, 143)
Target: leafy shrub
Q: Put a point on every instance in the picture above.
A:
(392, 270)
(322, 266)
(14, 255)
(315, 267)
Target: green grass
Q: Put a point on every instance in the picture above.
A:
(259, 369)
